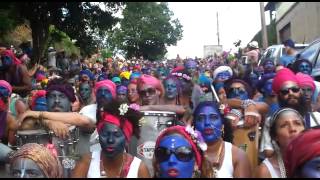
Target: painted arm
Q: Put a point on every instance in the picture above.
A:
(72, 118)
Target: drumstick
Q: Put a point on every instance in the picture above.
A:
(215, 93)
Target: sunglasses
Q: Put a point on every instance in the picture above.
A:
(184, 154)
(285, 91)
(150, 91)
(240, 90)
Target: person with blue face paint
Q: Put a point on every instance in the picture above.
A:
(172, 89)
(85, 92)
(35, 161)
(302, 156)
(268, 66)
(122, 93)
(228, 160)
(39, 101)
(177, 155)
(114, 135)
(191, 68)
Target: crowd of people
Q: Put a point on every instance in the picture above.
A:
(218, 117)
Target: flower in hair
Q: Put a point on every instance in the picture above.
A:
(123, 109)
(134, 106)
(197, 138)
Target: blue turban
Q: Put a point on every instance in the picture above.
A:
(88, 73)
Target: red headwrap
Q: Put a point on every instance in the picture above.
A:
(39, 93)
(106, 83)
(5, 84)
(182, 130)
(127, 128)
(305, 80)
(282, 76)
(10, 54)
(150, 80)
(303, 148)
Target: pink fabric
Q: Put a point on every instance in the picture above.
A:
(127, 128)
(305, 80)
(12, 56)
(5, 84)
(282, 76)
(150, 80)
(40, 77)
(106, 83)
(182, 131)
(40, 93)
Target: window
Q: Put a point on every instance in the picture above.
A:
(310, 52)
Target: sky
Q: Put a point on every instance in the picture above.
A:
(237, 21)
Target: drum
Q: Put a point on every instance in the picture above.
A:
(247, 139)
(66, 147)
(40, 136)
(151, 125)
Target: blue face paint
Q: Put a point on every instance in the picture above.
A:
(311, 168)
(223, 76)
(238, 93)
(170, 89)
(103, 95)
(269, 67)
(254, 78)
(267, 88)
(179, 164)
(112, 140)
(4, 92)
(58, 102)
(208, 121)
(191, 67)
(6, 62)
(125, 82)
(305, 68)
(41, 104)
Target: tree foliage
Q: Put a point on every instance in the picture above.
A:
(85, 22)
(146, 30)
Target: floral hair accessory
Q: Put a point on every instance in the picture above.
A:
(123, 109)
(184, 76)
(134, 106)
(197, 138)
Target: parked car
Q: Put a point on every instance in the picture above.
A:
(274, 52)
(312, 53)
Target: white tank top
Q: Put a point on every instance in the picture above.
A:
(271, 170)
(226, 170)
(94, 168)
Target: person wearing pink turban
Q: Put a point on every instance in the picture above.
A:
(15, 73)
(307, 86)
(150, 89)
(302, 156)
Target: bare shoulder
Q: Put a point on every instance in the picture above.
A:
(143, 171)
(262, 171)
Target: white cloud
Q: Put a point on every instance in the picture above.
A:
(237, 20)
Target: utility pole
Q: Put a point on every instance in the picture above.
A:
(263, 27)
(218, 30)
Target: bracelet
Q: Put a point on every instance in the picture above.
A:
(246, 103)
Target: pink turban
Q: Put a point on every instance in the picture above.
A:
(10, 54)
(282, 76)
(305, 80)
(108, 84)
(150, 80)
(302, 149)
(5, 84)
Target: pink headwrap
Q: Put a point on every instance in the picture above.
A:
(5, 84)
(127, 128)
(150, 80)
(302, 149)
(10, 54)
(182, 130)
(282, 76)
(305, 80)
(40, 93)
(106, 83)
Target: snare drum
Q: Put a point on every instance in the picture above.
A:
(66, 147)
(40, 136)
(151, 125)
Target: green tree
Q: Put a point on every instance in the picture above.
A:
(146, 30)
(82, 21)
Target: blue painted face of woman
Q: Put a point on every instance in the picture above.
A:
(175, 156)
(208, 121)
